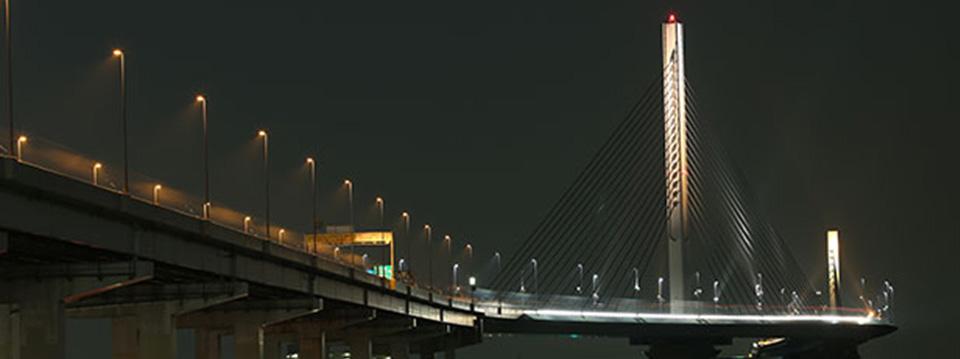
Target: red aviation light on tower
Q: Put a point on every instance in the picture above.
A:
(672, 18)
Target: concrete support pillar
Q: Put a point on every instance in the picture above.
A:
(157, 333)
(208, 343)
(313, 344)
(248, 339)
(42, 320)
(6, 331)
(361, 347)
(148, 334)
(123, 335)
(400, 351)
(271, 346)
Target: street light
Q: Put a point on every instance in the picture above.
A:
(206, 159)
(313, 206)
(96, 171)
(468, 251)
(123, 115)
(156, 194)
(447, 241)
(456, 267)
(246, 224)
(6, 12)
(280, 235)
(473, 290)
(426, 227)
(20, 141)
(349, 185)
(580, 276)
(406, 236)
(266, 177)
(535, 283)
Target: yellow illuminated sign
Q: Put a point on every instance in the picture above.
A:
(359, 238)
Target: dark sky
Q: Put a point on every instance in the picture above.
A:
(475, 116)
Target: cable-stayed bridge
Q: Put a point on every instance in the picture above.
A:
(656, 241)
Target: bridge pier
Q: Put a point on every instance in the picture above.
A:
(313, 342)
(400, 351)
(149, 333)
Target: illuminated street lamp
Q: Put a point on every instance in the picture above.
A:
(580, 278)
(535, 285)
(20, 141)
(156, 194)
(636, 281)
(6, 12)
(406, 235)
(456, 268)
(206, 159)
(280, 235)
(266, 177)
(468, 252)
(447, 241)
(246, 224)
(349, 185)
(123, 116)
(96, 172)
(313, 205)
(426, 227)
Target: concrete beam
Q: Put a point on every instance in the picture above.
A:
(130, 269)
(187, 298)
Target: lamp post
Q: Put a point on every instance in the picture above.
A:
(426, 228)
(406, 237)
(280, 235)
(468, 252)
(123, 116)
(96, 172)
(20, 141)
(580, 278)
(6, 6)
(473, 291)
(456, 268)
(313, 195)
(156, 194)
(206, 159)
(535, 283)
(447, 241)
(246, 224)
(349, 185)
(266, 178)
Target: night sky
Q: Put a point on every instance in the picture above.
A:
(476, 116)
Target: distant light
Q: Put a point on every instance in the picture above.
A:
(200, 98)
(262, 133)
(473, 281)
(157, 187)
(97, 165)
(574, 336)
(22, 139)
(379, 200)
(117, 52)
(405, 214)
(347, 182)
(309, 159)
(672, 18)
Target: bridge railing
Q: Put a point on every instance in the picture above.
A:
(588, 308)
(58, 159)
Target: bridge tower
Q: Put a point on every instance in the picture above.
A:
(833, 267)
(675, 142)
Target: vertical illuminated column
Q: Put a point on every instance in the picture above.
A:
(675, 142)
(833, 266)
